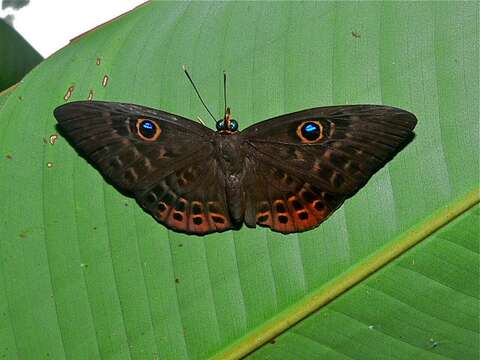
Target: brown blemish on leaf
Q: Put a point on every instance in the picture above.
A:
(8, 157)
(69, 93)
(105, 80)
(49, 164)
(23, 234)
(45, 141)
(53, 138)
(98, 61)
(90, 95)
(356, 34)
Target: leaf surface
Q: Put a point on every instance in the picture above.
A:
(85, 273)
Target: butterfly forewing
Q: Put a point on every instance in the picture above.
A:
(355, 142)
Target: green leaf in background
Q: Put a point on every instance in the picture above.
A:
(86, 274)
(17, 57)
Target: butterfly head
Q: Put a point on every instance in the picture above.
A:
(227, 124)
(230, 126)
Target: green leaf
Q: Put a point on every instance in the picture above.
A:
(85, 273)
(17, 56)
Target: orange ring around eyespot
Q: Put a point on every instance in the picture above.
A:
(305, 140)
(155, 136)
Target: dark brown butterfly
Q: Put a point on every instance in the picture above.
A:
(288, 173)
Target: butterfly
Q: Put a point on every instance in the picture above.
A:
(288, 173)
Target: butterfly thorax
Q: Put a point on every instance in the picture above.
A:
(230, 151)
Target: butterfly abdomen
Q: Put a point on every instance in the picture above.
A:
(235, 198)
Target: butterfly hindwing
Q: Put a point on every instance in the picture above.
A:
(159, 158)
(284, 201)
(192, 199)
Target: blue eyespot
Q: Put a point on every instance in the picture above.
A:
(310, 131)
(147, 129)
(147, 125)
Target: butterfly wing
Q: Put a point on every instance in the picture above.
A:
(307, 163)
(165, 161)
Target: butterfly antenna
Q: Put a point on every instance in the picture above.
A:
(196, 90)
(201, 121)
(225, 92)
